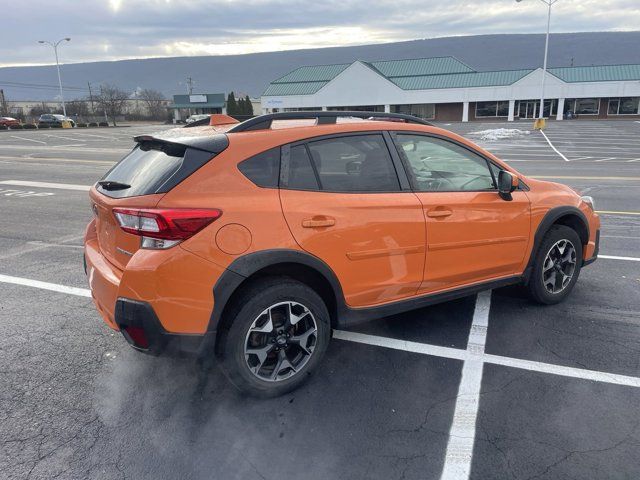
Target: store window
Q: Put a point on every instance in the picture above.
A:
(582, 106)
(421, 110)
(623, 106)
(492, 109)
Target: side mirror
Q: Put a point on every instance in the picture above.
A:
(507, 183)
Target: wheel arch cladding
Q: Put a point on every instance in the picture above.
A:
(248, 269)
(570, 217)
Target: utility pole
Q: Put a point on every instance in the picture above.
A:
(55, 49)
(190, 85)
(104, 106)
(91, 98)
(3, 104)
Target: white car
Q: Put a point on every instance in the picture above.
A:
(195, 118)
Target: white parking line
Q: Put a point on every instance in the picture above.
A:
(554, 148)
(64, 137)
(28, 139)
(62, 186)
(457, 464)
(612, 257)
(82, 292)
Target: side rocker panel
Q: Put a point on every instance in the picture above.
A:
(244, 267)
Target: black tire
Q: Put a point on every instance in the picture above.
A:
(536, 287)
(246, 309)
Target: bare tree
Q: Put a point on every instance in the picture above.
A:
(112, 101)
(154, 101)
(78, 108)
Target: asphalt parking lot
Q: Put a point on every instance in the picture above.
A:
(492, 387)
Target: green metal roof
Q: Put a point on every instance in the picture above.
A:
(603, 73)
(316, 73)
(301, 88)
(438, 73)
(421, 66)
(305, 80)
(460, 80)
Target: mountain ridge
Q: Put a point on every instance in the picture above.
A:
(251, 73)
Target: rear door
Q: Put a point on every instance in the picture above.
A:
(473, 235)
(139, 180)
(343, 202)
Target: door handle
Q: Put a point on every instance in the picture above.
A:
(439, 212)
(318, 221)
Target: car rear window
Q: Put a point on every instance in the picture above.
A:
(156, 168)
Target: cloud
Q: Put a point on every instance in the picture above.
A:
(119, 29)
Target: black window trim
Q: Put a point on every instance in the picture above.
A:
(409, 171)
(404, 186)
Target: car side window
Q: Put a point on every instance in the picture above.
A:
(438, 165)
(263, 169)
(358, 163)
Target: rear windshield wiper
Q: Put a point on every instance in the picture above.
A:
(110, 185)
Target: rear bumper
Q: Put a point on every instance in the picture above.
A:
(141, 328)
(162, 302)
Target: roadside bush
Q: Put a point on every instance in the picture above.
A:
(3, 127)
(44, 125)
(81, 125)
(29, 126)
(16, 127)
(103, 124)
(55, 125)
(93, 124)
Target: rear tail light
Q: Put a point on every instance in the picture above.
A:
(164, 228)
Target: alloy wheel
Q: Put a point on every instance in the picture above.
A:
(280, 341)
(559, 266)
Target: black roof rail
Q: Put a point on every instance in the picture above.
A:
(263, 122)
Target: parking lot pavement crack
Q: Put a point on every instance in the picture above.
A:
(632, 344)
(571, 453)
(561, 357)
(494, 443)
(566, 453)
(255, 469)
(425, 421)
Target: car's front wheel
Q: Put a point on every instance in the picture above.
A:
(279, 332)
(556, 266)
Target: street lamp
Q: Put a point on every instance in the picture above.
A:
(55, 49)
(549, 4)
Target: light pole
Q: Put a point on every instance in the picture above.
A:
(55, 49)
(549, 4)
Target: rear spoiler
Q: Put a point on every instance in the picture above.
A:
(209, 143)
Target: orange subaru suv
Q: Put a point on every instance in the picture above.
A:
(249, 242)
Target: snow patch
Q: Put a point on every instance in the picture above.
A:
(500, 133)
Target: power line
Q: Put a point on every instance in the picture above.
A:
(40, 86)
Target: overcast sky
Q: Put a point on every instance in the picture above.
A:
(119, 29)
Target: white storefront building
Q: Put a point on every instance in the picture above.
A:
(446, 89)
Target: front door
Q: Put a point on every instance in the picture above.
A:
(342, 200)
(473, 235)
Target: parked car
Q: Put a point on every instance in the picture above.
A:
(251, 245)
(9, 121)
(195, 118)
(54, 119)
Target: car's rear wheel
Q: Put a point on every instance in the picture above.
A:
(279, 332)
(557, 265)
